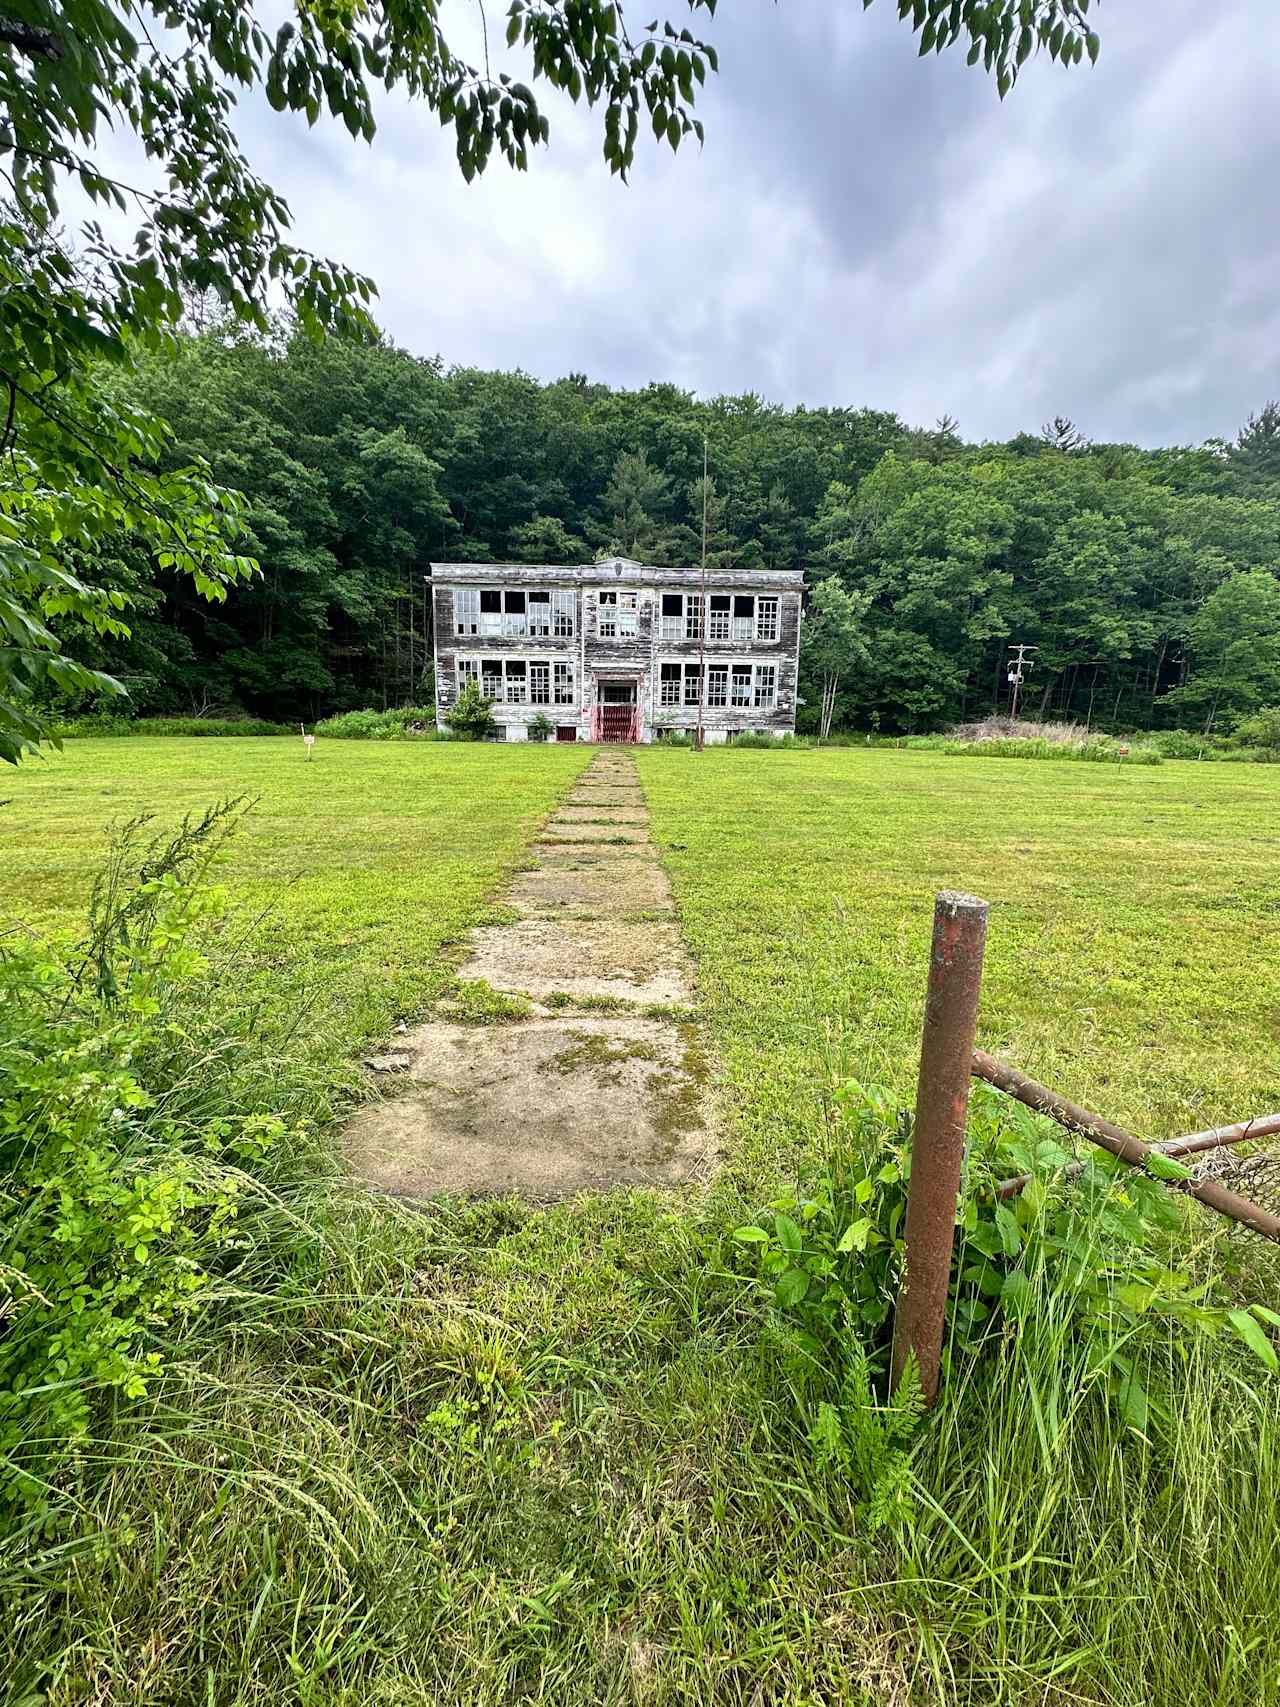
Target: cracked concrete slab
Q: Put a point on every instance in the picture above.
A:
(571, 814)
(545, 1108)
(565, 830)
(606, 886)
(571, 855)
(644, 962)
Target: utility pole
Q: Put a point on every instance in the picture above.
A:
(702, 609)
(1017, 667)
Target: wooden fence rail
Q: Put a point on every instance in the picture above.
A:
(948, 1062)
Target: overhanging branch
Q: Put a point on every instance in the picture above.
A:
(27, 38)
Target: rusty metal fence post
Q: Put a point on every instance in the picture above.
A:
(937, 1146)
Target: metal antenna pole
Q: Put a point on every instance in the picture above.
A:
(702, 609)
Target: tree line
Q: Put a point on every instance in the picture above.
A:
(1148, 580)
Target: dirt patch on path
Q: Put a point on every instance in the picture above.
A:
(566, 1100)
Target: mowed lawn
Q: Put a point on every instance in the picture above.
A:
(1134, 942)
(1134, 951)
(358, 868)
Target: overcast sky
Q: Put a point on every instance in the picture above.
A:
(862, 227)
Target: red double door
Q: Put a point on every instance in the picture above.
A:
(617, 711)
(617, 722)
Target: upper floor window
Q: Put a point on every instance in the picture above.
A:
(619, 614)
(730, 616)
(681, 616)
(540, 612)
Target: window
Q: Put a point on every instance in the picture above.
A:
(512, 681)
(766, 619)
(490, 610)
(739, 686)
(564, 684)
(744, 616)
(719, 622)
(552, 613)
(514, 612)
(681, 616)
(466, 610)
(619, 615)
(563, 612)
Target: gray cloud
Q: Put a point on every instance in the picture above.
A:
(862, 227)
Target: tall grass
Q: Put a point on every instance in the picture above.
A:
(105, 724)
(1059, 1554)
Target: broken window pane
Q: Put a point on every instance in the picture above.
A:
(563, 611)
(466, 610)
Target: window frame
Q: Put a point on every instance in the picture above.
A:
(513, 616)
(520, 679)
(747, 684)
(624, 623)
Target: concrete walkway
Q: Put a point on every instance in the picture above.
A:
(604, 1080)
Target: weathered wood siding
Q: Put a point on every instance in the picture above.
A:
(629, 658)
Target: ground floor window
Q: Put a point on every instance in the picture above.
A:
(519, 681)
(742, 686)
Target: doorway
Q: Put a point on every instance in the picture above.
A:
(617, 707)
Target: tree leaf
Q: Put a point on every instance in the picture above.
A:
(788, 1234)
(751, 1235)
(791, 1287)
(1247, 1330)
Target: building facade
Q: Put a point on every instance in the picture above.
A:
(618, 650)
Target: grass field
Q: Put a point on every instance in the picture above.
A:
(1133, 957)
(486, 1456)
(356, 871)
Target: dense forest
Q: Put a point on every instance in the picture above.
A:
(1148, 580)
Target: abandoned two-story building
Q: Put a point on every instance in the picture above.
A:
(619, 651)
